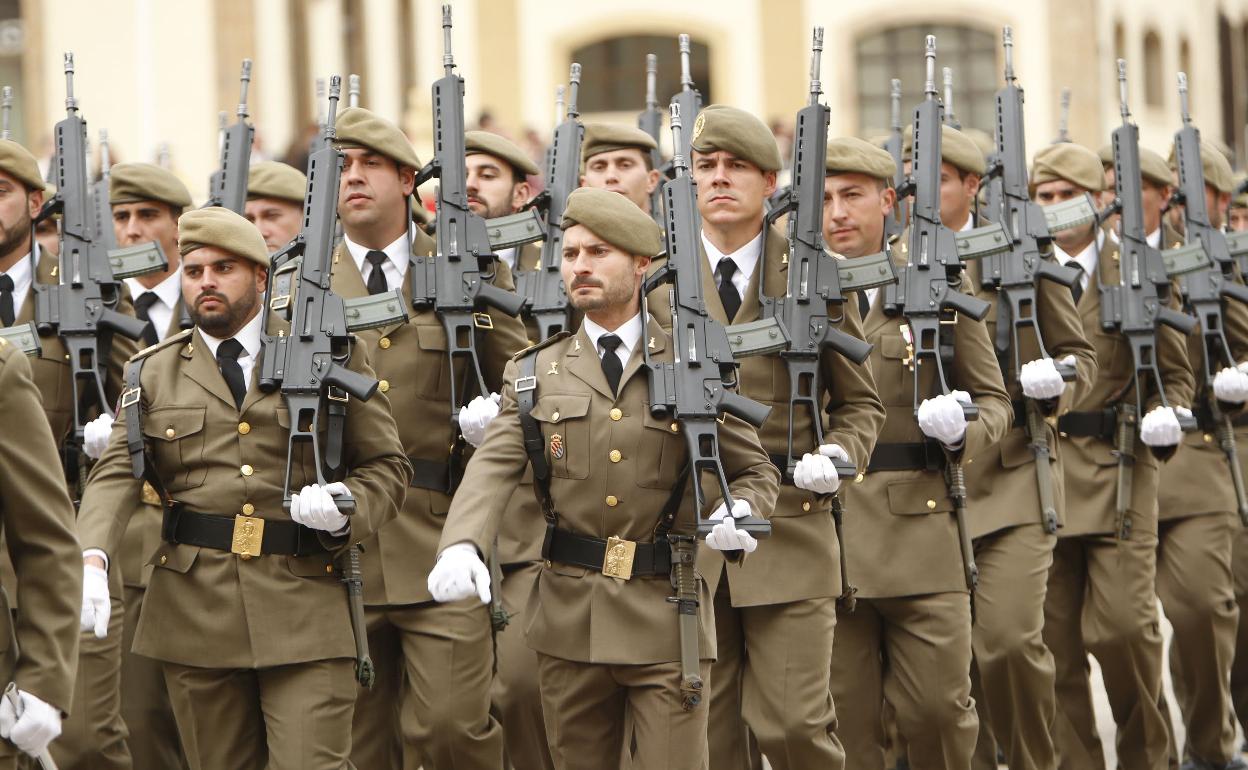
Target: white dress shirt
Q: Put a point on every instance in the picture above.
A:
(629, 334)
(248, 337)
(22, 276)
(746, 258)
(508, 256)
(167, 293)
(1086, 259)
(395, 268)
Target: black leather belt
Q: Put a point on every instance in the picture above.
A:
(782, 462)
(592, 553)
(427, 474)
(1100, 424)
(921, 456)
(1020, 413)
(279, 537)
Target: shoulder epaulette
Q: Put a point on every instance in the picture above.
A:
(171, 340)
(563, 335)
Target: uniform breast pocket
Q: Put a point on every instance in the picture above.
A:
(892, 368)
(176, 435)
(661, 453)
(429, 374)
(564, 419)
(1112, 355)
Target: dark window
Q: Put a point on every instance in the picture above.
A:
(613, 72)
(1154, 84)
(12, 46)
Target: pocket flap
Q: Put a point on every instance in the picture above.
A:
(892, 346)
(666, 423)
(920, 496)
(557, 407)
(431, 336)
(170, 423)
(316, 565)
(178, 558)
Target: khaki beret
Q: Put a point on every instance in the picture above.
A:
(17, 162)
(220, 227)
(1217, 171)
(720, 127)
(134, 182)
(272, 179)
(1240, 201)
(1106, 155)
(1072, 162)
(357, 127)
(983, 140)
(487, 143)
(850, 155)
(1153, 168)
(956, 148)
(608, 137)
(615, 219)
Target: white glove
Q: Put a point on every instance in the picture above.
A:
(476, 416)
(941, 417)
(1040, 379)
(459, 573)
(816, 473)
(1160, 427)
(1231, 385)
(37, 725)
(95, 602)
(725, 536)
(95, 436)
(313, 507)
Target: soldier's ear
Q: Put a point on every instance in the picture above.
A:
(407, 179)
(769, 183)
(652, 181)
(34, 201)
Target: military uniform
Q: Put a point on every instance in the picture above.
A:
(40, 637)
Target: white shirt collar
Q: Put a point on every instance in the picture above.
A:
(22, 275)
(248, 337)
(508, 256)
(399, 252)
(167, 291)
(1086, 259)
(629, 334)
(746, 257)
(970, 223)
(1154, 238)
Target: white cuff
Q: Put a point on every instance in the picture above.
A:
(96, 552)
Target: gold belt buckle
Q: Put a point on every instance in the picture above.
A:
(248, 533)
(618, 560)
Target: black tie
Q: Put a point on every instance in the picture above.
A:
(142, 311)
(728, 293)
(864, 304)
(6, 301)
(1076, 288)
(611, 366)
(377, 278)
(227, 361)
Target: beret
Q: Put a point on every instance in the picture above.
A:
(220, 227)
(272, 179)
(1106, 154)
(983, 140)
(607, 137)
(956, 148)
(134, 182)
(1153, 168)
(358, 127)
(17, 162)
(615, 219)
(850, 155)
(487, 143)
(1217, 171)
(1072, 162)
(728, 129)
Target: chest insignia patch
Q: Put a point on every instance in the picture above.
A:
(556, 446)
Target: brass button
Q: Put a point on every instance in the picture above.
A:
(806, 505)
(384, 386)
(163, 559)
(858, 479)
(384, 343)
(612, 501)
(329, 569)
(170, 433)
(1063, 434)
(555, 416)
(616, 415)
(674, 427)
(244, 428)
(931, 505)
(547, 563)
(615, 456)
(248, 509)
(1208, 438)
(247, 470)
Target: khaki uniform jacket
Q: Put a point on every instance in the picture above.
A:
(900, 533)
(38, 644)
(576, 613)
(1089, 465)
(1001, 481)
(411, 361)
(211, 608)
(801, 558)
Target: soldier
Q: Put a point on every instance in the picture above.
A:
(789, 590)
(275, 193)
(498, 185)
(434, 662)
(617, 158)
(1101, 595)
(1238, 219)
(605, 638)
(257, 652)
(41, 631)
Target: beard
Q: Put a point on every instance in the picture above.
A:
(229, 319)
(612, 294)
(13, 237)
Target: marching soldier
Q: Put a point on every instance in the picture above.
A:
(1237, 222)
(604, 631)
(498, 185)
(1101, 595)
(617, 158)
(434, 662)
(257, 652)
(275, 193)
(41, 630)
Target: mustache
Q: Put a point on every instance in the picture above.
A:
(210, 295)
(581, 282)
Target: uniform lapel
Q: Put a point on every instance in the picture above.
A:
(44, 273)
(710, 292)
(652, 338)
(175, 320)
(583, 363)
(202, 368)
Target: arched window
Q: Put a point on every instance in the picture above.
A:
(1154, 85)
(12, 46)
(898, 53)
(613, 72)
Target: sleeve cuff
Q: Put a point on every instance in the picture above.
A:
(96, 552)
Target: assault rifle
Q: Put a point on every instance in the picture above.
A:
(651, 121)
(228, 186)
(950, 118)
(896, 221)
(689, 100)
(1063, 120)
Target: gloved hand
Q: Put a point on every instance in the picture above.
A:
(816, 473)
(941, 417)
(313, 507)
(459, 573)
(1231, 385)
(476, 416)
(1160, 427)
(37, 725)
(1040, 379)
(725, 536)
(95, 603)
(95, 436)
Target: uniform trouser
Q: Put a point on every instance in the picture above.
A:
(774, 661)
(94, 736)
(1239, 668)
(145, 706)
(1015, 669)
(1102, 599)
(516, 695)
(585, 704)
(431, 703)
(1197, 594)
(295, 717)
(915, 653)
